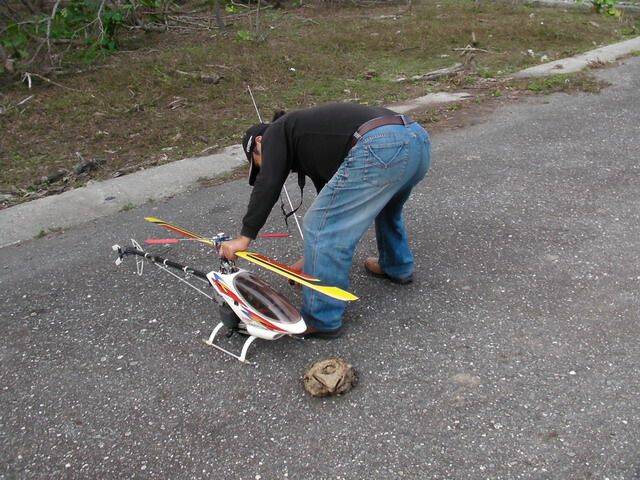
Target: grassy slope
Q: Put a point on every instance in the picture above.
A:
(135, 108)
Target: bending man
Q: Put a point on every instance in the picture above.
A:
(363, 161)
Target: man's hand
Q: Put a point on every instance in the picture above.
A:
(298, 265)
(228, 249)
(298, 268)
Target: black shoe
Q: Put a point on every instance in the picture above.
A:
(312, 332)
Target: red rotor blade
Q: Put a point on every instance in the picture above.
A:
(161, 241)
(274, 235)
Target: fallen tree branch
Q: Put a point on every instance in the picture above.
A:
(11, 107)
(27, 77)
(187, 22)
(149, 27)
(469, 48)
(434, 75)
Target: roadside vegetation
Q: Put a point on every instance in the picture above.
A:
(579, 82)
(173, 82)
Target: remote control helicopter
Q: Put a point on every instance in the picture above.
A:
(247, 304)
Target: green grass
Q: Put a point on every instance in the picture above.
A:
(565, 83)
(135, 104)
(44, 233)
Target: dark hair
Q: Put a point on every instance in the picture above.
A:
(277, 114)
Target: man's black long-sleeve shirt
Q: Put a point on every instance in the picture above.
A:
(314, 142)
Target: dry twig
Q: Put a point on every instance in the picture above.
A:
(11, 107)
(27, 77)
(434, 75)
(469, 48)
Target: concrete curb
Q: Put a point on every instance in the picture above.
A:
(429, 100)
(574, 64)
(25, 221)
(630, 7)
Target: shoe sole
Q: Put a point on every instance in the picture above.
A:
(322, 335)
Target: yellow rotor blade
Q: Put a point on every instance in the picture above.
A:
(265, 262)
(301, 278)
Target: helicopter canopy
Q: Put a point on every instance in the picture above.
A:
(264, 299)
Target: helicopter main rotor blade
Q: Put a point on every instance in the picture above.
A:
(298, 277)
(266, 262)
(180, 231)
(171, 241)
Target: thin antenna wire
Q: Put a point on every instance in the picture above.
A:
(161, 267)
(254, 104)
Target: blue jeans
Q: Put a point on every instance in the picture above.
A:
(373, 183)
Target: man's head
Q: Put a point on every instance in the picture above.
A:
(252, 146)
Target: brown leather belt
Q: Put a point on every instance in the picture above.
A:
(379, 122)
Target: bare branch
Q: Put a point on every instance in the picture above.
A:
(187, 22)
(469, 48)
(27, 77)
(99, 18)
(436, 74)
(49, 20)
(4, 110)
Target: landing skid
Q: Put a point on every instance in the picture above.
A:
(243, 354)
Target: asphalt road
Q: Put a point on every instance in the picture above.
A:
(514, 355)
